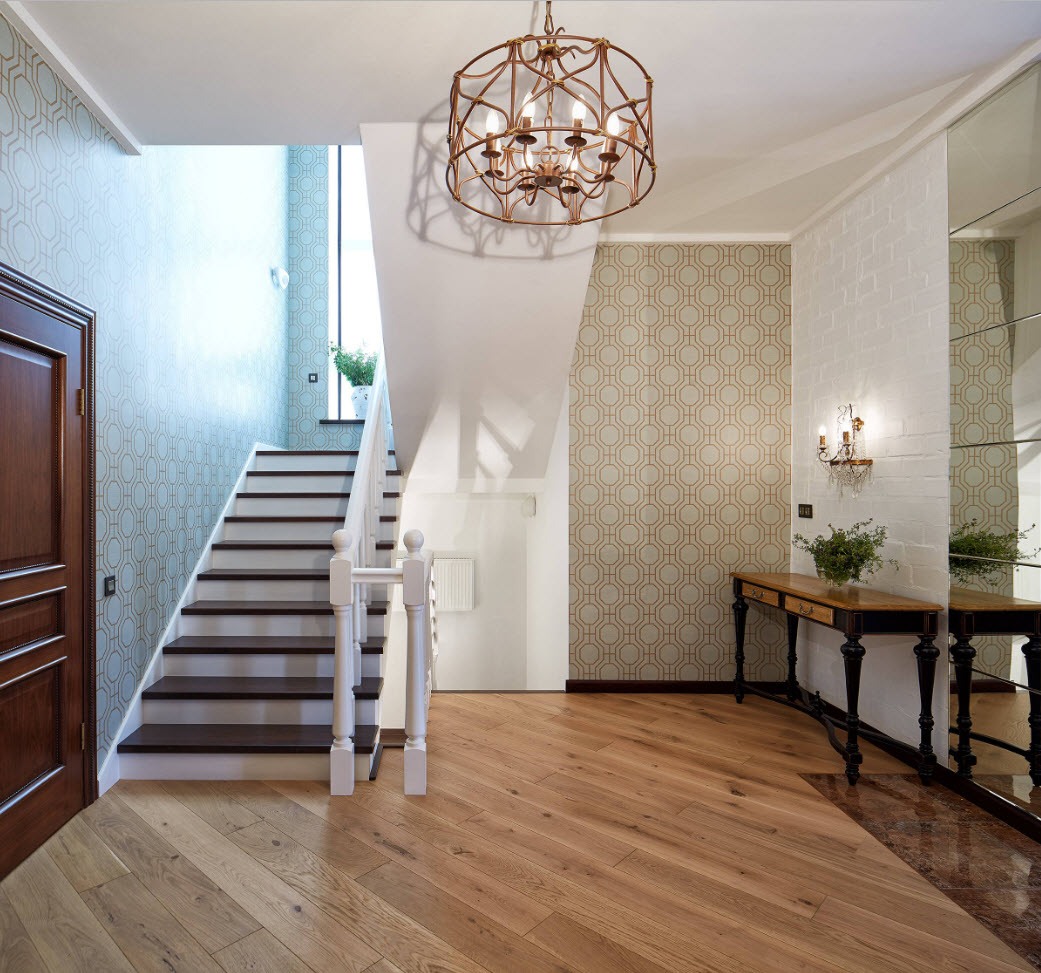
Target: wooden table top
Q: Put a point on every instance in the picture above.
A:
(850, 597)
(967, 600)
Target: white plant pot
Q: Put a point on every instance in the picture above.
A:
(360, 400)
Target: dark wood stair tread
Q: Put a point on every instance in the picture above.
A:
(369, 688)
(273, 495)
(251, 645)
(263, 645)
(241, 687)
(263, 519)
(273, 545)
(241, 738)
(222, 607)
(265, 574)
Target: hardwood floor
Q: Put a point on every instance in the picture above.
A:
(561, 833)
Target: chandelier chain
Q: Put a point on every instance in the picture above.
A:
(548, 24)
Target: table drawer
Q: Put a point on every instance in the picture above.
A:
(807, 609)
(756, 593)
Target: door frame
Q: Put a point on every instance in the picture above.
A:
(19, 287)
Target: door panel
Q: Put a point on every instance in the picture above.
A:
(30, 401)
(45, 551)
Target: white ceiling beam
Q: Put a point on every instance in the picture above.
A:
(45, 45)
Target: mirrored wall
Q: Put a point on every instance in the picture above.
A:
(994, 159)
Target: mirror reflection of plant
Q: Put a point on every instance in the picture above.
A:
(971, 541)
(849, 554)
(358, 366)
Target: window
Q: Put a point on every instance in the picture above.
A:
(354, 309)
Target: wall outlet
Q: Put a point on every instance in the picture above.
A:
(312, 377)
(805, 509)
(110, 585)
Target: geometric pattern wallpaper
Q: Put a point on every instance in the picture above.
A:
(984, 469)
(309, 303)
(981, 284)
(173, 250)
(680, 458)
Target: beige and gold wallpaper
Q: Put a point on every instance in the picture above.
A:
(984, 466)
(680, 458)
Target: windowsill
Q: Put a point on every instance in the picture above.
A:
(340, 422)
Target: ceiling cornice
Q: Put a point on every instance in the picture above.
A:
(45, 45)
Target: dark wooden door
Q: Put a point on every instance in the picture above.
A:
(46, 619)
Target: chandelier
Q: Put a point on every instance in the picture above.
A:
(544, 131)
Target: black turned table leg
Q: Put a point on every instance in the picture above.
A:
(793, 635)
(1032, 654)
(926, 654)
(962, 654)
(740, 612)
(852, 656)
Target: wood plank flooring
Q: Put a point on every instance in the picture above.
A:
(583, 833)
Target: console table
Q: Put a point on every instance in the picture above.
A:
(975, 613)
(856, 612)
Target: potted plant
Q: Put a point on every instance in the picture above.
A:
(359, 368)
(849, 554)
(971, 541)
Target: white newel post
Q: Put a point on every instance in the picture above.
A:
(341, 596)
(414, 583)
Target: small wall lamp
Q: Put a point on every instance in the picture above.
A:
(847, 465)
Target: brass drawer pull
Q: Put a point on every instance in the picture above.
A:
(756, 593)
(806, 609)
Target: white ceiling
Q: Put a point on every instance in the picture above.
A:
(763, 110)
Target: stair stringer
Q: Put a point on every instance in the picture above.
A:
(109, 774)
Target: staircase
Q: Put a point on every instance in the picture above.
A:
(247, 684)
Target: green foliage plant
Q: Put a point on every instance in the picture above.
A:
(849, 554)
(358, 366)
(971, 541)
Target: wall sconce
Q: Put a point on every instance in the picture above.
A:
(847, 465)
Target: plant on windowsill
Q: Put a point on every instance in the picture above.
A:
(971, 542)
(849, 554)
(359, 368)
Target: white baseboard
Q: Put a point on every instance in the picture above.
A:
(109, 772)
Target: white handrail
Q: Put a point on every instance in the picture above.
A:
(352, 572)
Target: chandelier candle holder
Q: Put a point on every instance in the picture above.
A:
(551, 129)
(847, 465)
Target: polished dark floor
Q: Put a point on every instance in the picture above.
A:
(990, 869)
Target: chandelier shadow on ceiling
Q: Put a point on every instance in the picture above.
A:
(544, 131)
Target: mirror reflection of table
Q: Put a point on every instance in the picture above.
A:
(855, 611)
(975, 613)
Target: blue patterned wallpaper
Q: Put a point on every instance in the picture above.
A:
(309, 303)
(173, 250)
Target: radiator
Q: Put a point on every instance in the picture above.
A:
(454, 578)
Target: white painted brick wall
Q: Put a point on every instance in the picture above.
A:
(870, 326)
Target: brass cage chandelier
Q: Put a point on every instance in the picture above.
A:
(544, 131)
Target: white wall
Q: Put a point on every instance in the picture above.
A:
(548, 541)
(479, 321)
(870, 326)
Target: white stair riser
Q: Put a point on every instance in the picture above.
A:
(251, 711)
(272, 506)
(274, 558)
(334, 482)
(258, 590)
(254, 711)
(305, 461)
(256, 625)
(220, 664)
(289, 558)
(261, 625)
(224, 766)
(278, 530)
